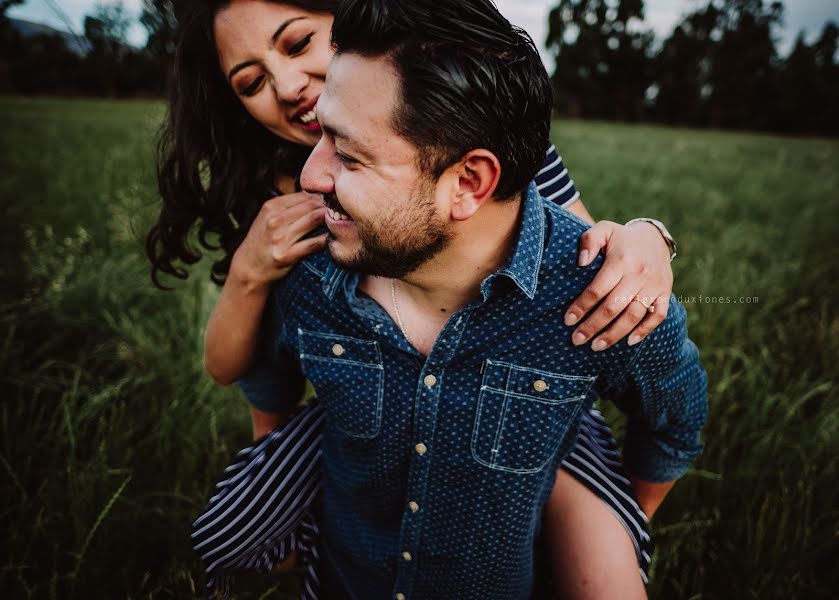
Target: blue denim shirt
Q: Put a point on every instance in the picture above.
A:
(436, 468)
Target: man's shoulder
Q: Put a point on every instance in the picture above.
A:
(316, 265)
(563, 230)
(304, 277)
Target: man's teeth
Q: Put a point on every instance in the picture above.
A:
(336, 215)
(309, 117)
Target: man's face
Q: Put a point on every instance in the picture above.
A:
(384, 216)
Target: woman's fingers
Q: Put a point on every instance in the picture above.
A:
(614, 303)
(287, 201)
(593, 241)
(651, 321)
(306, 247)
(603, 283)
(280, 218)
(305, 223)
(634, 316)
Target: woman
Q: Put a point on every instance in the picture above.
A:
(242, 120)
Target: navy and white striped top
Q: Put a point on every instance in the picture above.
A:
(554, 182)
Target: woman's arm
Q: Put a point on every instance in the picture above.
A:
(636, 274)
(274, 243)
(637, 265)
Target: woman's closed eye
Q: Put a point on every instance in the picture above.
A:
(299, 46)
(253, 87)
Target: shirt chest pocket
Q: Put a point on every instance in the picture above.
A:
(348, 377)
(523, 415)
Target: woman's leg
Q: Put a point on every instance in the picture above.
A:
(597, 535)
(592, 557)
(262, 423)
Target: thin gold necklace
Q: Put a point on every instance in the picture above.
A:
(396, 309)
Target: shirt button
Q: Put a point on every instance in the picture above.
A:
(413, 506)
(400, 596)
(430, 380)
(337, 349)
(406, 556)
(421, 448)
(539, 385)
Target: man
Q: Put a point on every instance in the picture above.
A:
(432, 329)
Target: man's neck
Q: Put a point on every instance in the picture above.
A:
(452, 279)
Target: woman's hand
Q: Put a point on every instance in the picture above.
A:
(636, 273)
(273, 245)
(275, 240)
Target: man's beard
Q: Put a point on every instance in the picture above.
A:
(403, 242)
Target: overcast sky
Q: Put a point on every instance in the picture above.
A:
(532, 15)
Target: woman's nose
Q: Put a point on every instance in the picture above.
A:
(289, 84)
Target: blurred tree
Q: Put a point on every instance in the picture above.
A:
(160, 19)
(602, 58)
(105, 30)
(809, 86)
(6, 5)
(746, 64)
(720, 66)
(9, 41)
(683, 69)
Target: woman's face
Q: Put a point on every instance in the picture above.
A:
(275, 58)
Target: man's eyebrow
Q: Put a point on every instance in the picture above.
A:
(337, 133)
(276, 35)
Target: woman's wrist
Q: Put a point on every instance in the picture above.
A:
(662, 231)
(244, 280)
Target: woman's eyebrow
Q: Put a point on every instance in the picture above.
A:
(238, 68)
(276, 35)
(282, 28)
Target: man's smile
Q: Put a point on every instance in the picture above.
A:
(334, 210)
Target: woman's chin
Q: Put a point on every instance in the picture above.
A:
(299, 135)
(308, 135)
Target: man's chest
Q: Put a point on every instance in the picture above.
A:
(496, 391)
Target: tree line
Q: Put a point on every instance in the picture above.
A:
(719, 67)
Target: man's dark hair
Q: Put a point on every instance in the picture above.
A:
(469, 79)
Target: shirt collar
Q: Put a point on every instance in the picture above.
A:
(526, 260)
(523, 266)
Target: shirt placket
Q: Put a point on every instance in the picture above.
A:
(429, 389)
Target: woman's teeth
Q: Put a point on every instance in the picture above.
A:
(308, 117)
(336, 215)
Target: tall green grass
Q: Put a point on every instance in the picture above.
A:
(111, 435)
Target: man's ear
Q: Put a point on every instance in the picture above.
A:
(477, 177)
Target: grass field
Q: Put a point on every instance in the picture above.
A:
(111, 435)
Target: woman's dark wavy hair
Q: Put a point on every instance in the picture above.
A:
(215, 163)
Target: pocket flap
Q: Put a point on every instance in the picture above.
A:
(333, 347)
(535, 383)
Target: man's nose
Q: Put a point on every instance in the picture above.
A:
(316, 177)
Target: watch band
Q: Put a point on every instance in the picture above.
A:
(668, 239)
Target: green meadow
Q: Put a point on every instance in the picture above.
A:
(112, 436)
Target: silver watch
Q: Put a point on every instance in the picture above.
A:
(668, 239)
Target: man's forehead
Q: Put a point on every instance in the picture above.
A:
(358, 97)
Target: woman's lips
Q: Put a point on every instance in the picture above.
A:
(313, 127)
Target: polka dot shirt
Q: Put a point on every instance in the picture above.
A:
(436, 468)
